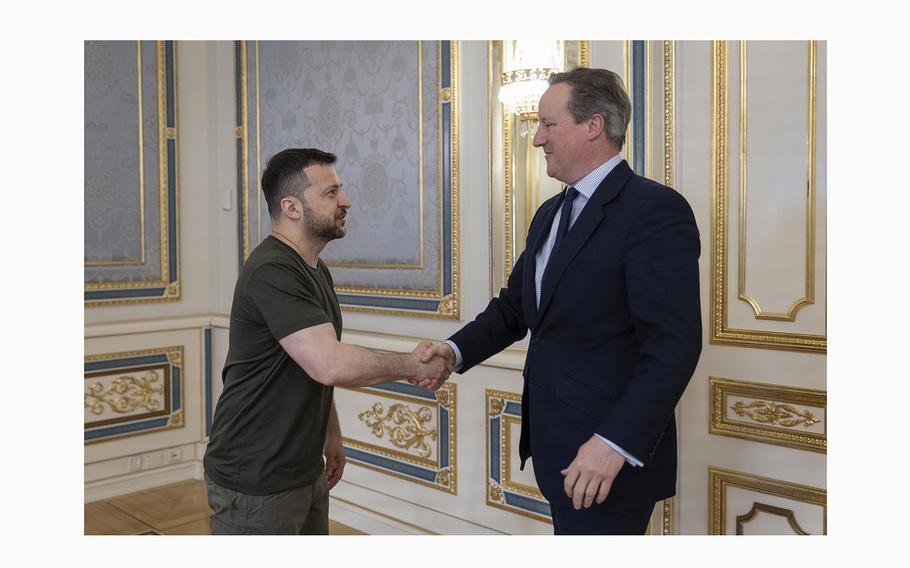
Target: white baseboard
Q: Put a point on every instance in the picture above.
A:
(380, 514)
(141, 480)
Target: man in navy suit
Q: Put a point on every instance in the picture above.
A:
(608, 287)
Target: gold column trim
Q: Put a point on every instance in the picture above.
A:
(509, 200)
(627, 79)
(409, 430)
(719, 479)
(669, 108)
(809, 294)
(245, 148)
(259, 194)
(669, 84)
(742, 520)
(721, 334)
(584, 53)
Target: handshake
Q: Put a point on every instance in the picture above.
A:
(432, 362)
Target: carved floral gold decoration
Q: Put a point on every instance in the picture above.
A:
(773, 413)
(443, 396)
(496, 406)
(496, 493)
(409, 432)
(442, 477)
(125, 394)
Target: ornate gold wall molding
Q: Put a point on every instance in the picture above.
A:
(788, 514)
(405, 427)
(721, 332)
(107, 287)
(769, 413)
(503, 413)
(132, 393)
(809, 294)
(414, 424)
(719, 480)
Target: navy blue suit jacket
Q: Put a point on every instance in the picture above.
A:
(615, 339)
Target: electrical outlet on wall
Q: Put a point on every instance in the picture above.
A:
(153, 459)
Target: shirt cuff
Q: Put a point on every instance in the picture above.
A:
(629, 458)
(458, 360)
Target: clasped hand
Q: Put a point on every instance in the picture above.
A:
(435, 360)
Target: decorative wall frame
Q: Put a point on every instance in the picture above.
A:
(426, 285)
(720, 480)
(503, 411)
(148, 141)
(404, 439)
(131, 393)
(721, 332)
(782, 415)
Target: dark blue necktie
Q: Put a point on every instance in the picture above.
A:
(565, 217)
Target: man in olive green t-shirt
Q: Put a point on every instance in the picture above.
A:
(275, 418)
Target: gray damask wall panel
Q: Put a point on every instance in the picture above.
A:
(131, 251)
(387, 109)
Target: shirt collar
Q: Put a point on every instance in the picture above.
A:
(590, 182)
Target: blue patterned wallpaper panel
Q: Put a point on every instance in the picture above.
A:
(386, 109)
(130, 167)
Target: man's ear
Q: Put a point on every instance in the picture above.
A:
(596, 126)
(291, 207)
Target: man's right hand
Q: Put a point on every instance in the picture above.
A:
(433, 365)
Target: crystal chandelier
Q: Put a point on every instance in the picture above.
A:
(526, 66)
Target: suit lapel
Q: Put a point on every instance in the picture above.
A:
(580, 232)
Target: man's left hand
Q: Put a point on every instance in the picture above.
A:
(334, 460)
(591, 474)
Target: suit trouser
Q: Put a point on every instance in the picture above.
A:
(299, 510)
(596, 520)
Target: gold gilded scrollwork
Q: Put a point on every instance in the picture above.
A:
(410, 431)
(495, 492)
(773, 413)
(443, 478)
(447, 305)
(176, 419)
(496, 406)
(125, 394)
(443, 396)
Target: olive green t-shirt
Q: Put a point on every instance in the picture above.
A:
(270, 421)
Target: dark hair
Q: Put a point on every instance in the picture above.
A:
(598, 91)
(284, 175)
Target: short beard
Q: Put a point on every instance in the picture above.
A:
(320, 228)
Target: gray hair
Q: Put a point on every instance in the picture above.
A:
(598, 91)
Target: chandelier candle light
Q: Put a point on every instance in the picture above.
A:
(526, 66)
